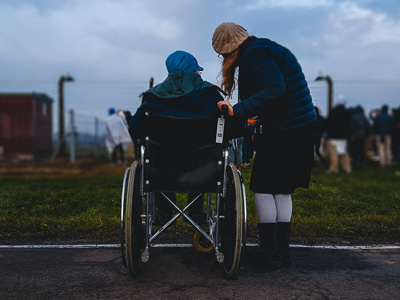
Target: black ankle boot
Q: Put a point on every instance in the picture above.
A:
(266, 234)
(281, 255)
(266, 244)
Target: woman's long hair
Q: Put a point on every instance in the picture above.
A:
(229, 68)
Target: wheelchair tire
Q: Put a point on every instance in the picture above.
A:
(232, 223)
(123, 210)
(134, 231)
(201, 244)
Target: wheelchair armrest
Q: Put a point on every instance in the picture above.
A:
(138, 144)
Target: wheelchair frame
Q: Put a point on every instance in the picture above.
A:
(226, 218)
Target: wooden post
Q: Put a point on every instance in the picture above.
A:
(329, 81)
(151, 82)
(72, 136)
(61, 116)
(61, 131)
(330, 92)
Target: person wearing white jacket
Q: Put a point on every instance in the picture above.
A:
(117, 135)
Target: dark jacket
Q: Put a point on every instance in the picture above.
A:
(359, 126)
(319, 127)
(383, 124)
(338, 123)
(182, 94)
(272, 86)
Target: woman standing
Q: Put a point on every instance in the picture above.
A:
(272, 86)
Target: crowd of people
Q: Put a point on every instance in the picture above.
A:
(343, 140)
(349, 137)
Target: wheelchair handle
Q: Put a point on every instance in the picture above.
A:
(225, 109)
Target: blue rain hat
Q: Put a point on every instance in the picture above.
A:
(111, 111)
(182, 61)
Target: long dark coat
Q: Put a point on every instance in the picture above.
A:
(272, 86)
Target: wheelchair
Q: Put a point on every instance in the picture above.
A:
(184, 156)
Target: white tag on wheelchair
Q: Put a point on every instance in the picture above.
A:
(220, 130)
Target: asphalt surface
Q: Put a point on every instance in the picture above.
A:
(182, 273)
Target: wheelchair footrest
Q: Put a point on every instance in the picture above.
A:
(145, 256)
(220, 257)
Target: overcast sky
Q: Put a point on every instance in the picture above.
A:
(110, 47)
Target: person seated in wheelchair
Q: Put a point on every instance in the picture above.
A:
(182, 94)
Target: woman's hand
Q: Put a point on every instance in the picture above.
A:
(227, 103)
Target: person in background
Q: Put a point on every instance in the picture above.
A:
(126, 146)
(122, 115)
(396, 135)
(117, 135)
(128, 116)
(383, 127)
(318, 130)
(182, 94)
(359, 132)
(235, 152)
(338, 134)
(271, 86)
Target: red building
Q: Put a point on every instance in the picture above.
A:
(25, 125)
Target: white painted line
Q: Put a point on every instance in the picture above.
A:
(88, 246)
(115, 246)
(375, 247)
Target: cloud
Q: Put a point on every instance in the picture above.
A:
(288, 4)
(124, 39)
(352, 41)
(123, 16)
(94, 35)
(356, 24)
(368, 26)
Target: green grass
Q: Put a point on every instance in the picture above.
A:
(60, 208)
(363, 206)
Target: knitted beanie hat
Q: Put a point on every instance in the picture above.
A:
(228, 37)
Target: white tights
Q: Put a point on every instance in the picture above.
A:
(273, 208)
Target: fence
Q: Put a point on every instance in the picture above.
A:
(85, 137)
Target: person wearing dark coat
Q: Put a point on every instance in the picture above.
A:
(383, 126)
(271, 86)
(182, 94)
(318, 131)
(359, 131)
(338, 134)
(396, 135)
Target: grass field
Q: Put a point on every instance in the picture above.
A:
(362, 207)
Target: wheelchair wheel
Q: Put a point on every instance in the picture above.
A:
(201, 244)
(134, 232)
(123, 210)
(231, 225)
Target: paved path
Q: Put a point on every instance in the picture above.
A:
(181, 273)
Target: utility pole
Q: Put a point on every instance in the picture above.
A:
(151, 83)
(329, 81)
(61, 131)
(72, 136)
